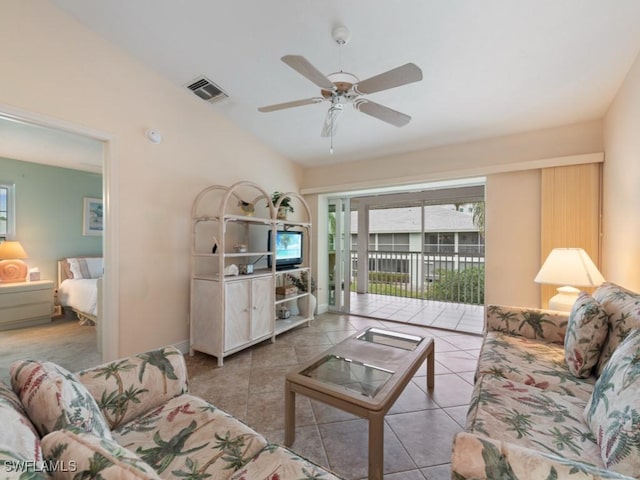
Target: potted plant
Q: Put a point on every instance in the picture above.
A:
(285, 206)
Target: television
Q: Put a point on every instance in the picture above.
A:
(288, 251)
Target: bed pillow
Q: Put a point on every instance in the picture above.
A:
(53, 398)
(86, 267)
(586, 333)
(613, 411)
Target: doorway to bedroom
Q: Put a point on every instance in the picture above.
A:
(54, 171)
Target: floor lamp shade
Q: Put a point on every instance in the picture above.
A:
(12, 268)
(569, 268)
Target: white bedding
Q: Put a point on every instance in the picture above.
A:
(81, 294)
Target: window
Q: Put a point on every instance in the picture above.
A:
(7, 211)
(393, 242)
(442, 242)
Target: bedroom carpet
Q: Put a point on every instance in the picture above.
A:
(62, 341)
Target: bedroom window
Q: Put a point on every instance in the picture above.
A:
(7, 210)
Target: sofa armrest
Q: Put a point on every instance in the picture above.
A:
(128, 388)
(476, 457)
(533, 323)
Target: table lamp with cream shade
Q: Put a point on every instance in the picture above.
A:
(12, 268)
(569, 268)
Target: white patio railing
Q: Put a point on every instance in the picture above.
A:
(446, 276)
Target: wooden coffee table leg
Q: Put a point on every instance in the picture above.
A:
(289, 414)
(376, 447)
(430, 368)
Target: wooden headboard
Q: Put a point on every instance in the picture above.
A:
(62, 271)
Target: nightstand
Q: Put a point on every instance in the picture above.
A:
(25, 304)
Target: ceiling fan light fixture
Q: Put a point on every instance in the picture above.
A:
(341, 35)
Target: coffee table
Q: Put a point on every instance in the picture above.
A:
(362, 375)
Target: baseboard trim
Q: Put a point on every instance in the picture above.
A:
(182, 346)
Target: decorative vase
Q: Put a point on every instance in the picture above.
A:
(282, 213)
(307, 305)
(293, 307)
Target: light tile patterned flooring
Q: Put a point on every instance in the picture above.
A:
(451, 316)
(419, 427)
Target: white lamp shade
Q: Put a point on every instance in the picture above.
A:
(569, 266)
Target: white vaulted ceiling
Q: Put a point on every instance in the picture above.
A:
(491, 67)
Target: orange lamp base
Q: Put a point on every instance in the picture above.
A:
(13, 271)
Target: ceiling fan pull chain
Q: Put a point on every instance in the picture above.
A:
(331, 145)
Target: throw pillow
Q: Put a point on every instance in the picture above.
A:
(613, 411)
(18, 439)
(76, 455)
(54, 398)
(130, 387)
(623, 307)
(586, 334)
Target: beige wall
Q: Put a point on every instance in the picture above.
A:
(512, 238)
(621, 185)
(455, 161)
(53, 66)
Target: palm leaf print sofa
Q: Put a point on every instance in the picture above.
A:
(557, 395)
(129, 419)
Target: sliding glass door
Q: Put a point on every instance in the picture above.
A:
(339, 254)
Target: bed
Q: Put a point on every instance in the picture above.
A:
(79, 280)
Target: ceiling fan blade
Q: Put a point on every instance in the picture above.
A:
(295, 103)
(331, 120)
(397, 77)
(381, 112)
(304, 68)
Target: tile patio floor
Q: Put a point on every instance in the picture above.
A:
(451, 316)
(419, 428)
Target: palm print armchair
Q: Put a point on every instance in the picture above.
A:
(132, 418)
(557, 395)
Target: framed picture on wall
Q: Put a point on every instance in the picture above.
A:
(92, 217)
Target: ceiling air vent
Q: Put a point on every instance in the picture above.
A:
(207, 90)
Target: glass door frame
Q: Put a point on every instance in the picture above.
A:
(339, 280)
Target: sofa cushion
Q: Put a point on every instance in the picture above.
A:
(478, 457)
(276, 462)
(127, 388)
(623, 307)
(54, 398)
(82, 455)
(19, 441)
(188, 437)
(586, 334)
(613, 413)
(533, 418)
(531, 362)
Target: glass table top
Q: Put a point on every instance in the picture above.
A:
(391, 339)
(356, 376)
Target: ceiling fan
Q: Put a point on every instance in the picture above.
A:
(341, 88)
